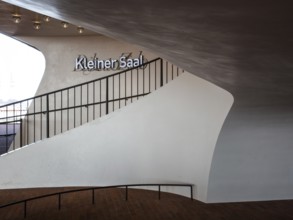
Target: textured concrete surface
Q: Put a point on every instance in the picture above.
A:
(241, 46)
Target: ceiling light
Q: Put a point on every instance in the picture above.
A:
(80, 30)
(64, 24)
(47, 18)
(16, 16)
(37, 23)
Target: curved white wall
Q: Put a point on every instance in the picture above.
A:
(60, 54)
(169, 136)
(253, 156)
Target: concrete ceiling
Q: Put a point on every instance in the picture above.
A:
(245, 47)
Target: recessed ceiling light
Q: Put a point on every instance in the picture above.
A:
(64, 24)
(16, 16)
(80, 30)
(47, 18)
(37, 23)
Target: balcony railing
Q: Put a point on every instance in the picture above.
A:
(59, 195)
(49, 114)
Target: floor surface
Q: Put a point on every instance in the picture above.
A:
(141, 204)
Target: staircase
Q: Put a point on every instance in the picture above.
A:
(43, 116)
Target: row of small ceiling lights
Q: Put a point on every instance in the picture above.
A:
(16, 16)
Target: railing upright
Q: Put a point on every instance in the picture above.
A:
(107, 96)
(24, 211)
(93, 196)
(20, 132)
(161, 73)
(47, 116)
(6, 138)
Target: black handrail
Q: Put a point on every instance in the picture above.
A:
(15, 121)
(59, 194)
(76, 106)
(54, 112)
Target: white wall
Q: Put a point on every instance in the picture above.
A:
(60, 54)
(253, 157)
(169, 136)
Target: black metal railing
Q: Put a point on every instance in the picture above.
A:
(8, 131)
(92, 189)
(52, 113)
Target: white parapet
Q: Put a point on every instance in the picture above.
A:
(167, 137)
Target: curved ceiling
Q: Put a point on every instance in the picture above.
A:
(244, 47)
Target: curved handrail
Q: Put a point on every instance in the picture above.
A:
(25, 201)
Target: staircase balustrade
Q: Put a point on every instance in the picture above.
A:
(43, 116)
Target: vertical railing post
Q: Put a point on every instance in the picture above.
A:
(20, 133)
(59, 201)
(107, 95)
(159, 191)
(191, 192)
(126, 193)
(24, 211)
(161, 73)
(6, 131)
(14, 132)
(93, 196)
(48, 117)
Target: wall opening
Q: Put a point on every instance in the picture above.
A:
(21, 70)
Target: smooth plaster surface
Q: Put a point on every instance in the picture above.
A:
(157, 139)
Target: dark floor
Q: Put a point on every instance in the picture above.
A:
(141, 204)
